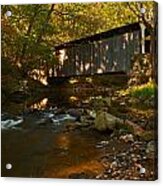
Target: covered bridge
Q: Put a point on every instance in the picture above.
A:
(105, 52)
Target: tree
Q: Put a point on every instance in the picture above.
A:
(30, 34)
(149, 20)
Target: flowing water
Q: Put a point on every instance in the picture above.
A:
(48, 137)
(40, 139)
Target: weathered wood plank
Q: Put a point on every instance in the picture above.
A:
(112, 53)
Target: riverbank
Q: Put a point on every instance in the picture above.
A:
(49, 143)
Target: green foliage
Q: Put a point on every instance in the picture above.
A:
(30, 34)
(144, 91)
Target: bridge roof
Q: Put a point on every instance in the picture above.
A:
(100, 36)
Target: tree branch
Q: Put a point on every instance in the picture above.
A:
(132, 9)
(46, 21)
(141, 18)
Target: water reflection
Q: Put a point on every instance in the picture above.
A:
(63, 141)
(60, 99)
(66, 99)
(41, 105)
(51, 150)
(73, 98)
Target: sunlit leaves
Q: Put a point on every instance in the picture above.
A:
(28, 23)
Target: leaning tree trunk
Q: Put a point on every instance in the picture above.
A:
(45, 23)
(43, 30)
(29, 30)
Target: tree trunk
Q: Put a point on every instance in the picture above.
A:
(46, 22)
(154, 49)
(43, 29)
(31, 23)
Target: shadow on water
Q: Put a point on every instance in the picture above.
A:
(40, 148)
(43, 153)
(45, 137)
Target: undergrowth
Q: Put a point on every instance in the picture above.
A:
(144, 91)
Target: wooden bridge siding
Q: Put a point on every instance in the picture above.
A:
(132, 48)
(98, 56)
(78, 61)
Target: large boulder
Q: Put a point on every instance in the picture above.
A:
(104, 121)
